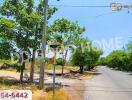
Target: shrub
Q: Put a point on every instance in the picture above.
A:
(60, 61)
(102, 61)
(119, 60)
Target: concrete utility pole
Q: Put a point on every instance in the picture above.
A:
(44, 32)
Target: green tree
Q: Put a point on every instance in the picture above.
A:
(5, 50)
(102, 61)
(60, 61)
(6, 37)
(85, 55)
(129, 46)
(92, 54)
(121, 59)
(65, 32)
(118, 60)
(28, 18)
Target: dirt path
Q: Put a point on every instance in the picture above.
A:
(9, 74)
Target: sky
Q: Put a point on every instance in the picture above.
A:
(103, 26)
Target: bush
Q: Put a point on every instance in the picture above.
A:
(60, 61)
(119, 60)
(102, 61)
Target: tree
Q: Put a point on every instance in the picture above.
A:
(5, 49)
(118, 60)
(92, 54)
(121, 59)
(28, 18)
(85, 55)
(7, 29)
(102, 61)
(65, 31)
(60, 61)
(78, 59)
(6, 37)
(129, 47)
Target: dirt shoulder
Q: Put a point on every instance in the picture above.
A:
(75, 89)
(9, 74)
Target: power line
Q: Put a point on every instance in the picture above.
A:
(81, 6)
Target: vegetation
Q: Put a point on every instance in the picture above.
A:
(65, 32)
(60, 61)
(86, 55)
(119, 59)
(6, 84)
(24, 30)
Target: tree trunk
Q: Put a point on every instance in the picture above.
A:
(42, 67)
(32, 66)
(81, 69)
(89, 68)
(42, 70)
(63, 70)
(33, 56)
(64, 62)
(21, 72)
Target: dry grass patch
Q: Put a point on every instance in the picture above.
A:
(60, 94)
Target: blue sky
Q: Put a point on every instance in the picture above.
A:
(100, 23)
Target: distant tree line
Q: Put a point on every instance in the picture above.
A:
(119, 59)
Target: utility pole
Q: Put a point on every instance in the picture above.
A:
(43, 53)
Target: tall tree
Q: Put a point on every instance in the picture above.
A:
(28, 18)
(66, 32)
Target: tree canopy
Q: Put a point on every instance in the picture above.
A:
(86, 55)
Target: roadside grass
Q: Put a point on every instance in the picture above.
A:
(37, 66)
(12, 70)
(7, 84)
(49, 67)
(59, 95)
(58, 67)
(88, 75)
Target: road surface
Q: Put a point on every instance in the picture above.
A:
(109, 85)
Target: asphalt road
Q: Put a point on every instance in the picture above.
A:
(109, 85)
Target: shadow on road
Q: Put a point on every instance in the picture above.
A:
(130, 74)
(8, 81)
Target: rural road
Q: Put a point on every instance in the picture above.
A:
(109, 85)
